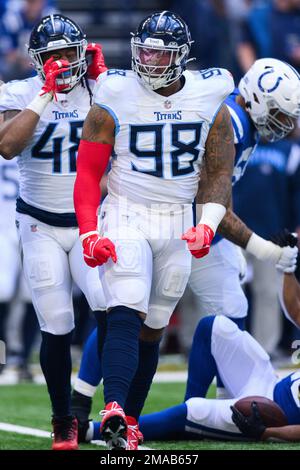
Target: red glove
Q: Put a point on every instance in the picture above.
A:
(97, 65)
(199, 239)
(98, 250)
(54, 68)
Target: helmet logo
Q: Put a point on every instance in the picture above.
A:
(154, 42)
(58, 44)
(270, 89)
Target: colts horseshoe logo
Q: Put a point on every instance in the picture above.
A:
(270, 89)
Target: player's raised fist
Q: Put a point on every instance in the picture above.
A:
(98, 250)
(53, 69)
(97, 64)
(199, 239)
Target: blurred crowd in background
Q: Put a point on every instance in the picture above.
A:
(226, 33)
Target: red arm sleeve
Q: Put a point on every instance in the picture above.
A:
(91, 164)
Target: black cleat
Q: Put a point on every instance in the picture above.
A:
(81, 407)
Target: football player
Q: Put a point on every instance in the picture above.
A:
(43, 118)
(164, 124)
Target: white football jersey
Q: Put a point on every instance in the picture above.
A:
(9, 188)
(160, 141)
(48, 164)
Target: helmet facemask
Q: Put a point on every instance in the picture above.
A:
(277, 125)
(158, 65)
(76, 70)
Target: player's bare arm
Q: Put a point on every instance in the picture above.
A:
(231, 227)
(99, 126)
(285, 433)
(16, 130)
(219, 160)
(234, 229)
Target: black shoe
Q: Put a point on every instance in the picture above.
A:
(81, 407)
(83, 427)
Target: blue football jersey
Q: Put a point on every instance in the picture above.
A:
(245, 135)
(287, 396)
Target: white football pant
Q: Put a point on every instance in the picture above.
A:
(153, 264)
(52, 258)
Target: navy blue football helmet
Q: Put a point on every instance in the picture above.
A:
(56, 32)
(160, 49)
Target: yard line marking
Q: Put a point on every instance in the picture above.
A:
(10, 377)
(24, 430)
(7, 427)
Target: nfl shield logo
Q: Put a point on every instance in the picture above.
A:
(167, 104)
(33, 227)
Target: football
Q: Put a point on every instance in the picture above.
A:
(271, 413)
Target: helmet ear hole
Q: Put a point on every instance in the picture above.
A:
(255, 98)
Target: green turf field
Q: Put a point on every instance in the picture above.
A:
(28, 405)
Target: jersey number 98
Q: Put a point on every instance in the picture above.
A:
(147, 142)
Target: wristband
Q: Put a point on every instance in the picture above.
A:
(39, 103)
(212, 214)
(88, 234)
(263, 249)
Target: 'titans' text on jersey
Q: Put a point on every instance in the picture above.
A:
(48, 163)
(160, 136)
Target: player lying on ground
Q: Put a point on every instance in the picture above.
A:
(246, 370)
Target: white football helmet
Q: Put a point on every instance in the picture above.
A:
(271, 90)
